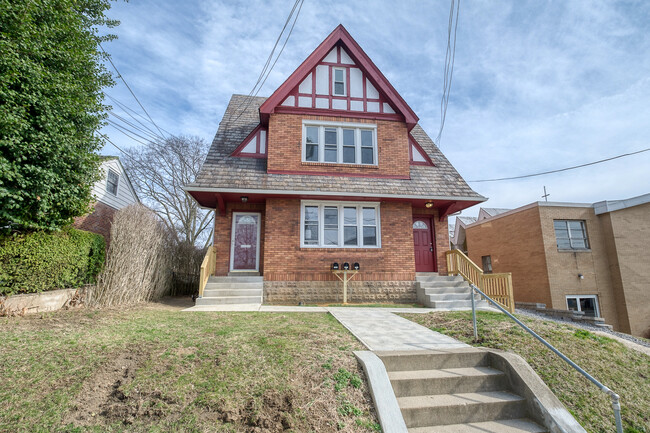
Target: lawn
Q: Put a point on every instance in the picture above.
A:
(624, 370)
(146, 369)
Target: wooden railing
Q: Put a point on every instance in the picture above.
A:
(496, 286)
(207, 268)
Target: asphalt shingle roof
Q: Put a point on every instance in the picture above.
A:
(221, 170)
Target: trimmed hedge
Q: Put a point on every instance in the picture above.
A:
(39, 261)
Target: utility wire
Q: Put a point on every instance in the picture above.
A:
(129, 87)
(562, 169)
(153, 136)
(128, 111)
(450, 57)
(262, 78)
(127, 131)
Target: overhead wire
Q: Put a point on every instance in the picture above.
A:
(561, 169)
(127, 131)
(128, 111)
(150, 135)
(450, 57)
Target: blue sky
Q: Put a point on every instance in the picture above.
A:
(537, 85)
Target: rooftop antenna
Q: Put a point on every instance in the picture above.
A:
(545, 196)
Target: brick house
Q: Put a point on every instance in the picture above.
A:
(573, 256)
(332, 167)
(112, 192)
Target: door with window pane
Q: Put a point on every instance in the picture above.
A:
(423, 242)
(245, 242)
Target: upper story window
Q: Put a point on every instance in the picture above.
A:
(339, 225)
(571, 235)
(112, 180)
(339, 143)
(338, 84)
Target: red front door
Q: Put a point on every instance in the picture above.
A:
(425, 248)
(245, 241)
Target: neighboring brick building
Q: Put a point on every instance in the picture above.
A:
(113, 192)
(586, 257)
(332, 167)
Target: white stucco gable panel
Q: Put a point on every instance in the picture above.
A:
(305, 86)
(356, 83)
(331, 56)
(290, 101)
(322, 80)
(371, 92)
(345, 58)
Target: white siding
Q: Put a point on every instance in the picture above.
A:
(125, 195)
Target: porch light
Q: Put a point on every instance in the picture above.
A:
(346, 266)
(244, 199)
(582, 277)
(335, 266)
(428, 204)
(356, 266)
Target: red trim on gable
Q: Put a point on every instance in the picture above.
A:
(254, 134)
(340, 36)
(328, 173)
(414, 143)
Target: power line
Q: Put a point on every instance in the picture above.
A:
(562, 169)
(261, 77)
(124, 131)
(153, 136)
(450, 57)
(128, 87)
(128, 111)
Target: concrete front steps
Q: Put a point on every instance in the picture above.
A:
(459, 391)
(446, 292)
(230, 290)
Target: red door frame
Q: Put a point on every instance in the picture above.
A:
(430, 219)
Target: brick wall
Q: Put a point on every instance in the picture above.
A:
(516, 245)
(99, 221)
(284, 260)
(285, 147)
(564, 266)
(222, 231)
(627, 236)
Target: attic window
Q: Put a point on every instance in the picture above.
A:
(112, 180)
(338, 82)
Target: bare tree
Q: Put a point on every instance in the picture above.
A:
(158, 172)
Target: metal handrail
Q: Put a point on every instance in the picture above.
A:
(616, 401)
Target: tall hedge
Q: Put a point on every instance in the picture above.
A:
(40, 260)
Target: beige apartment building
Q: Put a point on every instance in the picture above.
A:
(575, 256)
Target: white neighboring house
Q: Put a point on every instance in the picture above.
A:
(111, 193)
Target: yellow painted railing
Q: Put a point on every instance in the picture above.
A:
(207, 268)
(496, 286)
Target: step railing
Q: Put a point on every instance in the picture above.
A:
(616, 401)
(207, 268)
(497, 286)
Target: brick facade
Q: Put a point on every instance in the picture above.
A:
(285, 153)
(98, 221)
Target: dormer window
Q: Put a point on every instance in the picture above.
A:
(339, 143)
(112, 180)
(339, 82)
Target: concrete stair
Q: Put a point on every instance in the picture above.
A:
(445, 292)
(240, 290)
(455, 392)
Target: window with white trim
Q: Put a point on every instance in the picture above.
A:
(338, 82)
(339, 143)
(571, 235)
(112, 179)
(585, 303)
(339, 225)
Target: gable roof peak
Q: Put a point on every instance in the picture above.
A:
(339, 36)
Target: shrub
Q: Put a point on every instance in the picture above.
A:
(38, 261)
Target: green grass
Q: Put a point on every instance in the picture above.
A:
(624, 370)
(152, 370)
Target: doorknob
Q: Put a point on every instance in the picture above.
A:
(431, 249)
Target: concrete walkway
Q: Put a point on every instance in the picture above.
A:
(381, 330)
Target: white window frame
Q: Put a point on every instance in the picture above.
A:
(341, 230)
(578, 297)
(117, 183)
(345, 84)
(340, 126)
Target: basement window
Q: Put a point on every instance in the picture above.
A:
(339, 143)
(487, 264)
(586, 303)
(330, 224)
(112, 179)
(571, 235)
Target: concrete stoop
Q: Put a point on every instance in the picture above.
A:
(448, 292)
(235, 290)
(470, 390)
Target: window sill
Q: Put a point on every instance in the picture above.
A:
(574, 250)
(328, 249)
(342, 165)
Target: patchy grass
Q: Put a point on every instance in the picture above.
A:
(145, 369)
(624, 370)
